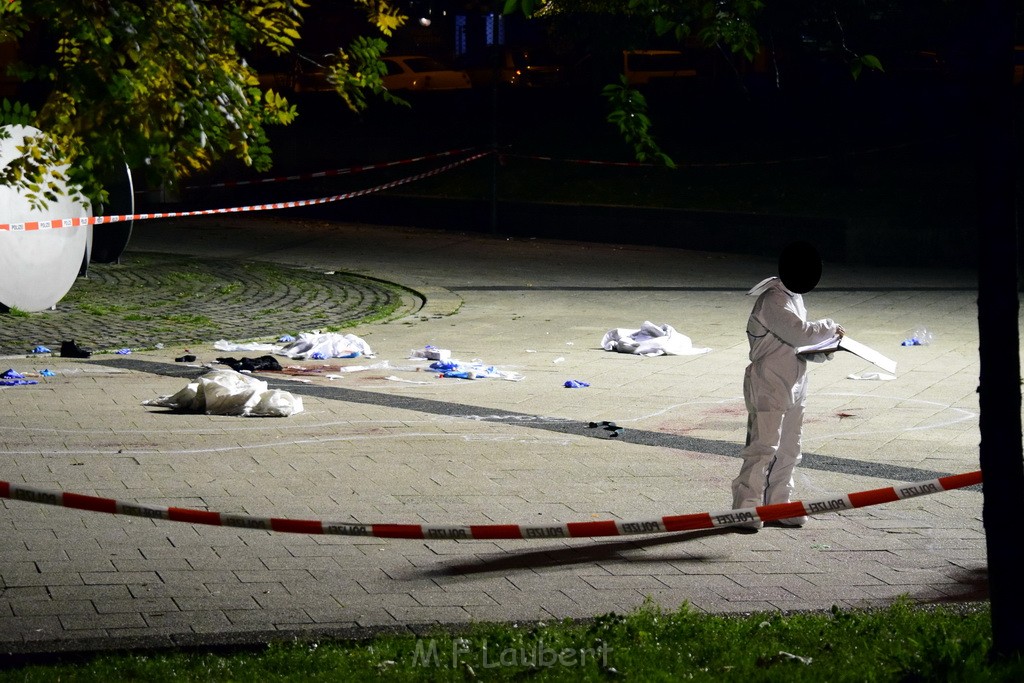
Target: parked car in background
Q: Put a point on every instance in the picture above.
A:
(521, 67)
(419, 73)
(645, 67)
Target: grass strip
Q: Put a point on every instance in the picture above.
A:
(901, 643)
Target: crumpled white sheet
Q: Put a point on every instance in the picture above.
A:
(325, 344)
(650, 340)
(226, 392)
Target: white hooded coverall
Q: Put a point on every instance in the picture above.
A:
(775, 391)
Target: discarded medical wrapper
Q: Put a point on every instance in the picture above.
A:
(459, 370)
(650, 340)
(226, 392)
(383, 365)
(431, 353)
(919, 336)
(308, 345)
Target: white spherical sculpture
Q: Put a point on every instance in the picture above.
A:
(38, 267)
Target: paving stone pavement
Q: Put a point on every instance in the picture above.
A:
(393, 443)
(146, 300)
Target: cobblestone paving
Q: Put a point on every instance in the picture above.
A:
(151, 299)
(433, 450)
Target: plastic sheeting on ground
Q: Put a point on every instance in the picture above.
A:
(473, 370)
(12, 377)
(308, 345)
(226, 392)
(650, 340)
(326, 345)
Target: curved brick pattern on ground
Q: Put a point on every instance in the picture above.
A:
(151, 299)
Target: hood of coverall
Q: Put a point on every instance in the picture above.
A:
(800, 267)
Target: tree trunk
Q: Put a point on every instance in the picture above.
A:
(1002, 461)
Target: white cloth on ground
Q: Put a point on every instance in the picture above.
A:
(327, 344)
(225, 345)
(881, 376)
(226, 392)
(650, 340)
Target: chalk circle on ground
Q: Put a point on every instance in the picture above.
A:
(38, 267)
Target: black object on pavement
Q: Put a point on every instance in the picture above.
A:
(251, 364)
(69, 349)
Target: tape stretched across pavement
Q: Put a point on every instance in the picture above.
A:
(692, 522)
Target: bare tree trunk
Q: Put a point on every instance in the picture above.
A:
(1002, 461)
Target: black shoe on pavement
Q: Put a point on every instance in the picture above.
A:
(69, 349)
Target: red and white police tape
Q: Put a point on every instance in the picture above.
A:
(702, 164)
(692, 522)
(687, 164)
(333, 172)
(57, 223)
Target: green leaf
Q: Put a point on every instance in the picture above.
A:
(663, 25)
(872, 62)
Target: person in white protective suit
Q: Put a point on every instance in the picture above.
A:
(775, 382)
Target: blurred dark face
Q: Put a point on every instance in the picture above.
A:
(800, 267)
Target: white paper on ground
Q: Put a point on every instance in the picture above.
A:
(883, 376)
(225, 345)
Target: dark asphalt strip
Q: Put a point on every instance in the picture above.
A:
(813, 461)
(685, 288)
